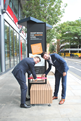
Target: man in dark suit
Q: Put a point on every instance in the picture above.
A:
(61, 69)
(25, 65)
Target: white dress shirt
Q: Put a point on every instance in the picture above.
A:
(50, 60)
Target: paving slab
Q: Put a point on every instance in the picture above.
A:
(10, 102)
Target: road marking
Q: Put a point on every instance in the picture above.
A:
(75, 68)
(75, 75)
(76, 61)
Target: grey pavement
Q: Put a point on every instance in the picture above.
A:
(10, 102)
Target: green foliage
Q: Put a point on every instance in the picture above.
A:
(48, 11)
(51, 48)
(69, 32)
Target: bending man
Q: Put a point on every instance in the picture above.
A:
(26, 65)
(61, 69)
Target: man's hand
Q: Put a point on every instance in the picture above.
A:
(64, 73)
(43, 75)
(30, 75)
(35, 80)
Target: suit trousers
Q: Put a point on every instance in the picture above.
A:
(58, 76)
(23, 88)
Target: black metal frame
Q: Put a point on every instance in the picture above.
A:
(29, 84)
(24, 22)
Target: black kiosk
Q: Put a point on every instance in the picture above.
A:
(36, 43)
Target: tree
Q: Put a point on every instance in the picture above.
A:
(69, 33)
(52, 48)
(58, 45)
(48, 11)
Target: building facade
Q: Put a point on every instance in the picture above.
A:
(68, 48)
(12, 37)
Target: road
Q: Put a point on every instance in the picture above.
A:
(74, 66)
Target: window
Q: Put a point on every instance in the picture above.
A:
(0, 59)
(0, 55)
(11, 47)
(23, 48)
(0, 43)
(11, 4)
(14, 6)
(21, 15)
(7, 47)
(15, 47)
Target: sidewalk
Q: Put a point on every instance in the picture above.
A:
(10, 101)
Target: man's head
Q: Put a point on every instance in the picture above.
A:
(37, 59)
(45, 56)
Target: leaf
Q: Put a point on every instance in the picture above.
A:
(48, 11)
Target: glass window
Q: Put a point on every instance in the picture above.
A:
(14, 6)
(0, 44)
(0, 57)
(21, 15)
(23, 48)
(15, 47)
(11, 4)
(0, 62)
(11, 47)
(15, 2)
(7, 47)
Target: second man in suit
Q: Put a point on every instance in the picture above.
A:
(61, 69)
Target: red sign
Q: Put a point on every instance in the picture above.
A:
(12, 14)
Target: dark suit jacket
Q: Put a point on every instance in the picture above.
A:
(25, 65)
(58, 62)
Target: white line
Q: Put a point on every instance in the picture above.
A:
(75, 75)
(75, 68)
(77, 61)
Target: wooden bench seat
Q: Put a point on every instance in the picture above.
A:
(41, 94)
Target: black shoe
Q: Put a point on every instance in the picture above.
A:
(27, 99)
(24, 106)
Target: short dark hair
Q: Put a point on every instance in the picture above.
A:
(37, 57)
(42, 54)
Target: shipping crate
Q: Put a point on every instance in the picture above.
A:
(41, 94)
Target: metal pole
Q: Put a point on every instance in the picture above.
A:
(2, 38)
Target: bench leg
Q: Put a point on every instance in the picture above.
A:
(49, 104)
(33, 104)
